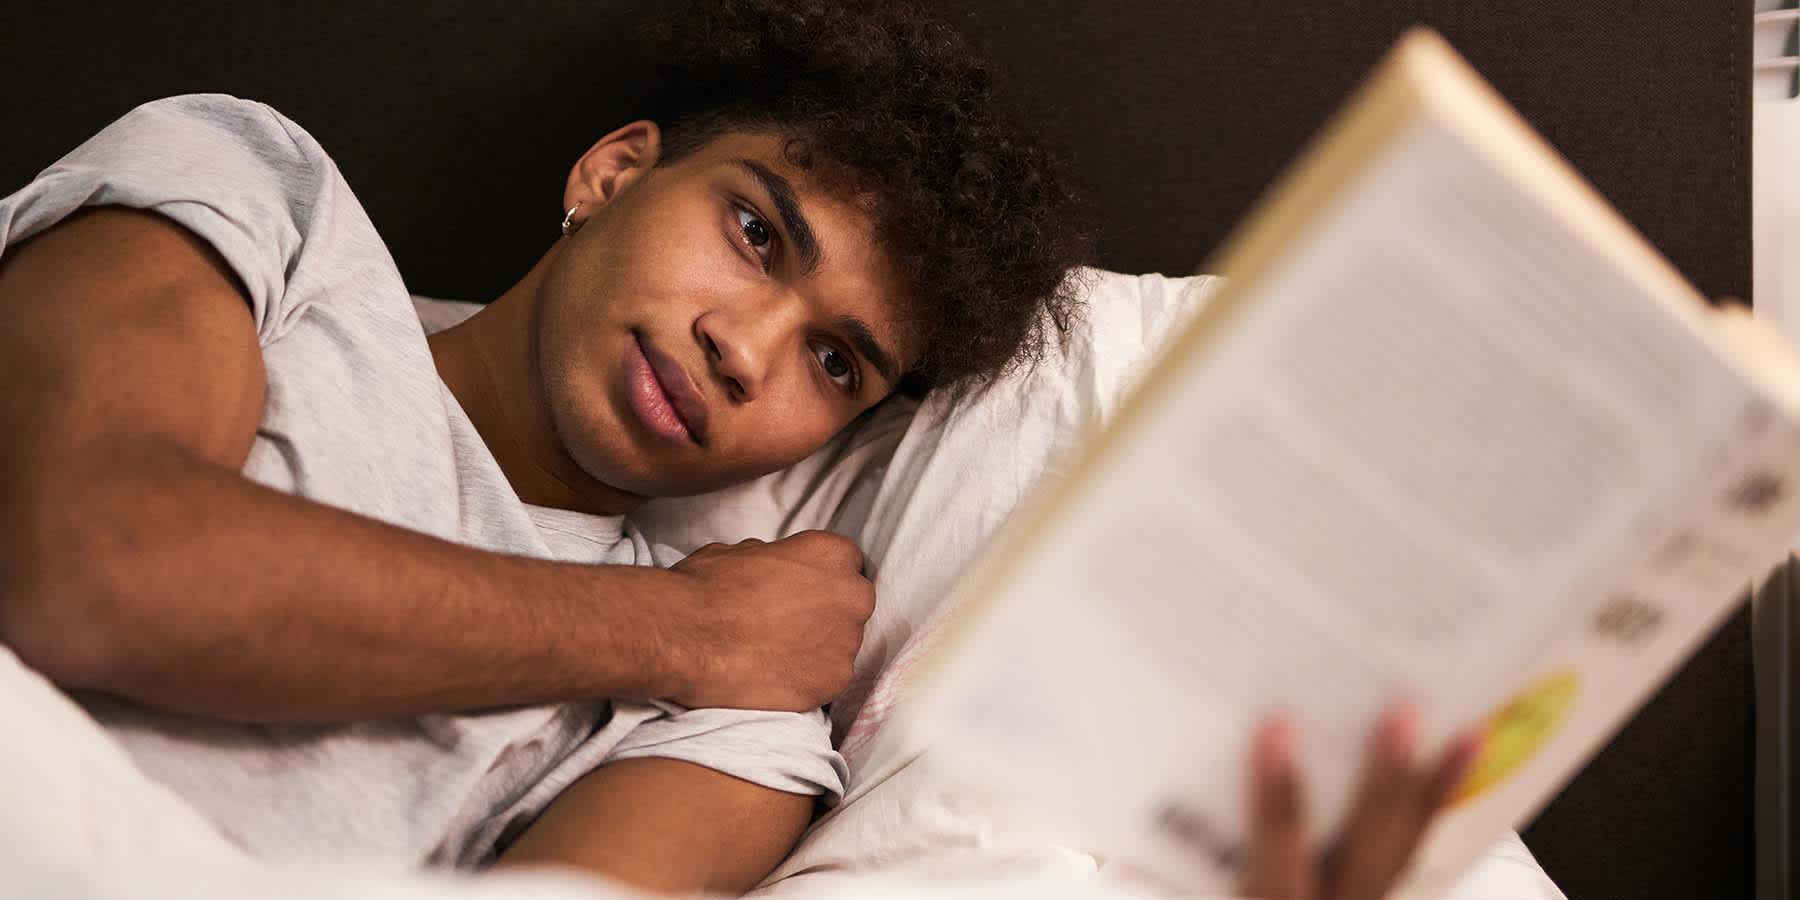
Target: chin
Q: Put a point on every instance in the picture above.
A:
(609, 456)
(592, 432)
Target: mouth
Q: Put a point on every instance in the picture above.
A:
(663, 396)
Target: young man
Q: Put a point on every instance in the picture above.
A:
(353, 592)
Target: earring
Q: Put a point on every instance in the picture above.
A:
(570, 226)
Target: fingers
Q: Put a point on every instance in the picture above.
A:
(1395, 803)
(840, 554)
(1280, 867)
(1458, 759)
(1386, 816)
(827, 547)
(813, 546)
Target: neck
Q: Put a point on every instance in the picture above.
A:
(490, 363)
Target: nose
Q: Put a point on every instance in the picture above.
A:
(743, 341)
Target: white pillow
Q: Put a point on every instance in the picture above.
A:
(957, 474)
(961, 469)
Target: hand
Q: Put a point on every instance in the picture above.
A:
(1395, 801)
(771, 625)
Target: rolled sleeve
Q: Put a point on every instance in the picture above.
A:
(784, 751)
(234, 172)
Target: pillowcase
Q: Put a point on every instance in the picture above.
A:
(961, 469)
(958, 472)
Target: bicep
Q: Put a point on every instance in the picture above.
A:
(120, 328)
(666, 825)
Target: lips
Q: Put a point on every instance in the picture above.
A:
(664, 397)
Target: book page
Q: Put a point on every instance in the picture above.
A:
(1386, 474)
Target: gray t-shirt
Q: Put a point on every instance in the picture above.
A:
(357, 418)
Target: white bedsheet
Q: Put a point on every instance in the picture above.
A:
(82, 822)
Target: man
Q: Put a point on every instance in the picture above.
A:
(354, 592)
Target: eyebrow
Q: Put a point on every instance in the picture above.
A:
(787, 206)
(866, 344)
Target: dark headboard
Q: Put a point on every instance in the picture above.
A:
(456, 120)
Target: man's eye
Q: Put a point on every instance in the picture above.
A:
(836, 365)
(757, 234)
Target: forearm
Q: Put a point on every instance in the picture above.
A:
(135, 560)
(668, 826)
(181, 585)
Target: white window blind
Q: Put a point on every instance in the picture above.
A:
(1775, 235)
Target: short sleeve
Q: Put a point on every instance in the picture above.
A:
(234, 172)
(784, 751)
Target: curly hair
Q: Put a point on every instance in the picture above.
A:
(887, 105)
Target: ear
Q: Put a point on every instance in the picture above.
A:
(614, 162)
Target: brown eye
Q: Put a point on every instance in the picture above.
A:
(757, 234)
(836, 365)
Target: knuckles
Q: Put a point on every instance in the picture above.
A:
(828, 546)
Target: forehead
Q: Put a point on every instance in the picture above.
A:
(854, 275)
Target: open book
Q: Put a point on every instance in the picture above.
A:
(1452, 432)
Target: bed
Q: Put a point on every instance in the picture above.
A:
(1176, 114)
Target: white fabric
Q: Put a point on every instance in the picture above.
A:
(955, 475)
(357, 418)
(83, 823)
(921, 492)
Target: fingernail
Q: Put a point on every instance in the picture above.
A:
(1400, 734)
(1460, 762)
(1469, 750)
(1279, 742)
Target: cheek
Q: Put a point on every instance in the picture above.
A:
(776, 436)
(574, 321)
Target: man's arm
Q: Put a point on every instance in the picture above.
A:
(135, 560)
(666, 825)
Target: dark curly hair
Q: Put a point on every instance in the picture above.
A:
(884, 103)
